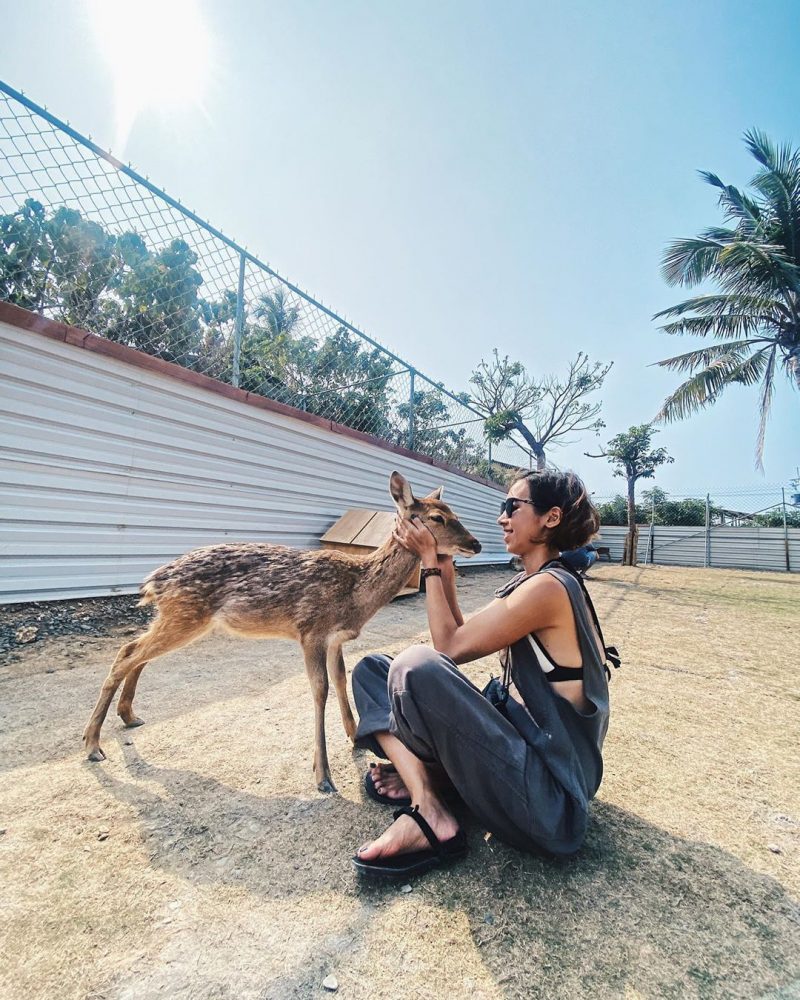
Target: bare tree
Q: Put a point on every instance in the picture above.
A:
(545, 412)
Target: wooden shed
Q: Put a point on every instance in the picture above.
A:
(362, 531)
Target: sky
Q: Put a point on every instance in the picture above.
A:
(458, 176)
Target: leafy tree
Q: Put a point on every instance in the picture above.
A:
(774, 519)
(435, 433)
(545, 412)
(632, 458)
(82, 262)
(155, 307)
(218, 329)
(63, 261)
(658, 508)
(336, 378)
(755, 262)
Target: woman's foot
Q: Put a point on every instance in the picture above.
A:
(387, 781)
(405, 835)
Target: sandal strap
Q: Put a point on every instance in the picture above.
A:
(422, 823)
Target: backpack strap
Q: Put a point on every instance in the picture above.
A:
(611, 652)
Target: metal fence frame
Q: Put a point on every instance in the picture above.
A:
(729, 536)
(508, 455)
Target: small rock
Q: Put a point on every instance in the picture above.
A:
(2, 831)
(405, 888)
(102, 836)
(774, 848)
(27, 633)
(128, 743)
(50, 670)
(330, 983)
(174, 905)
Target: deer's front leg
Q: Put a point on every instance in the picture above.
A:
(338, 674)
(314, 652)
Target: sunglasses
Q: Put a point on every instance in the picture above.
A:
(510, 504)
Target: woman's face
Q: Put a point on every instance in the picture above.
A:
(526, 527)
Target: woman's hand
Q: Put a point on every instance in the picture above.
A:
(414, 536)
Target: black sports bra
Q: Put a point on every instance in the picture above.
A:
(551, 670)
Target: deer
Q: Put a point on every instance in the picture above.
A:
(319, 597)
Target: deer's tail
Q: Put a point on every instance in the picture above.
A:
(147, 593)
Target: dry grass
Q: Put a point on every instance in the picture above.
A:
(224, 874)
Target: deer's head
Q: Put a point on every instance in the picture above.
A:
(452, 538)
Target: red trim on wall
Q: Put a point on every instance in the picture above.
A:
(33, 322)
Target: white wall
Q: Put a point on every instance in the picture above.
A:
(732, 548)
(107, 470)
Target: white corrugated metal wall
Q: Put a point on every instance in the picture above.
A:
(731, 548)
(108, 470)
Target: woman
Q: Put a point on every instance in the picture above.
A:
(529, 770)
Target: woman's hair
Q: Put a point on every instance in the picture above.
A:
(580, 520)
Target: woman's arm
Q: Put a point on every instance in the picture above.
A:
(448, 578)
(534, 605)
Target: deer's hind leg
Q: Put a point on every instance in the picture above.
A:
(161, 637)
(338, 674)
(125, 702)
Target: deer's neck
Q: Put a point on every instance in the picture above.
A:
(384, 572)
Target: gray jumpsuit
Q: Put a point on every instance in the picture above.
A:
(529, 777)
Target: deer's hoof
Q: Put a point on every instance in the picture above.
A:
(133, 723)
(96, 755)
(326, 786)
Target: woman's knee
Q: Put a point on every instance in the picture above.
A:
(369, 667)
(418, 665)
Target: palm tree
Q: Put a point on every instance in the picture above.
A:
(277, 310)
(755, 261)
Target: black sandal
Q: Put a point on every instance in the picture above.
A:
(402, 866)
(376, 796)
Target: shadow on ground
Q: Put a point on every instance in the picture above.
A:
(638, 909)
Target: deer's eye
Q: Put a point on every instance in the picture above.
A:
(437, 518)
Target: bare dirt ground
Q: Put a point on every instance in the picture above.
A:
(199, 860)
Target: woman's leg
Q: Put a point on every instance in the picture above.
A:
(404, 834)
(371, 695)
(439, 715)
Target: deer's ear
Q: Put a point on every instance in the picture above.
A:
(436, 495)
(401, 491)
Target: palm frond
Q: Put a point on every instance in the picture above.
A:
(719, 327)
(792, 365)
(706, 386)
(690, 261)
(763, 149)
(733, 350)
(767, 392)
(779, 184)
(721, 305)
(737, 206)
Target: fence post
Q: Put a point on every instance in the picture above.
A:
(239, 327)
(411, 428)
(651, 541)
(707, 562)
(785, 530)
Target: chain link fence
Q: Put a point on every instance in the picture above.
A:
(759, 529)
(86, 240)
(730, 507)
